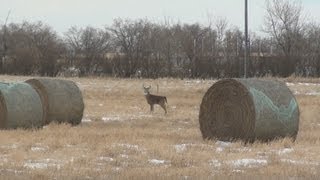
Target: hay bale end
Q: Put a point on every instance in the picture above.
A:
(248, 109)
(62, 100)
(20, 107)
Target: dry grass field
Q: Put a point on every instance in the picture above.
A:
(120, 139)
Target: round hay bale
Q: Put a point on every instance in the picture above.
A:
(20, 107)
(248, 109)
(61, 99)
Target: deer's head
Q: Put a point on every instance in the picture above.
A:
(146, 89)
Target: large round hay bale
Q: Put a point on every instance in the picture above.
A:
(61, 99)
(248, 109)
(20, 106)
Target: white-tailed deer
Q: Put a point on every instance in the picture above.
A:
(153, 99)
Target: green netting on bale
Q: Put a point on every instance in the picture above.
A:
(276, 109)
(62, 100)
(21, 106)
(248, 109)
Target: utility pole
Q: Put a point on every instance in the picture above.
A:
(246, 37)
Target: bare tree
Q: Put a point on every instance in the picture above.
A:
(283, 21)
(48, 47)
(221, 25)
(4, 43)
(310, 64)
(73, 43)
(32, 48)
(130, 38)
(167, 44)
(88, 46)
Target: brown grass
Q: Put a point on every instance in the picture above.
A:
(123, 140)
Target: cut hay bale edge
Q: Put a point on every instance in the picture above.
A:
(3, 112)
(60, 105)
(248, 109)
(20, 106)
(37, 86)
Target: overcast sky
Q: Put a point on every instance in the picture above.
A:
(62, 14)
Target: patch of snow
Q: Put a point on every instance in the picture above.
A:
(183, 147)
(262, 155)
(289, 84)
(3, 159)
(134, 107)
(245, 149)
(185, 122)
(312, 84)
(300, 162)
(192, 82)
(129, 146)
(238, 171)
(116, 169)
(285, 151)
(124, 156)
(307, 84)
(215, 163)
(68, 145)
(180, 147)
(219, 149)
(86, 120)
(103, 158)
(36, 165)
(12, 146)
(313, 93)
(43, 164)
(223, 144)
(14, 171)
(249, 162)
(296, 92)
(142, 115)
(156, 161)
(37, 149)
(107, 119)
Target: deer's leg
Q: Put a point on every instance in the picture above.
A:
(164, 107)
(151, 107)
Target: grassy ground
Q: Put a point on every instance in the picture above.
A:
(120, 139)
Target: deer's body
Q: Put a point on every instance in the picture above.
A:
(153, 99)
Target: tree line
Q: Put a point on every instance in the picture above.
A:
(142, 48)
